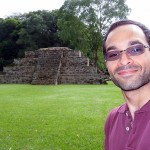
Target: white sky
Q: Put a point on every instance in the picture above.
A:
(140, 11)
(140, 8)
(8, 7)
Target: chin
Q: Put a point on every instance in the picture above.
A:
(130, 86)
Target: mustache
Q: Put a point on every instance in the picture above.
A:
(126, 68)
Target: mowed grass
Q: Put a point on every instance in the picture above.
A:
(62, 117)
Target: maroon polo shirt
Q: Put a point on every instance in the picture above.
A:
(123, 134)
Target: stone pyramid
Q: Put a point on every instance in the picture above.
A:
(54, 65)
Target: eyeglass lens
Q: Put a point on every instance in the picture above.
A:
(131, 51)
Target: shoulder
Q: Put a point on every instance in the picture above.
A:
(117, 110)
(113, 115)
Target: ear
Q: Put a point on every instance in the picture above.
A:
(107, 68)
(106, 65)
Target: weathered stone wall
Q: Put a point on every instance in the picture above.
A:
(76, 69)
(56, 65)
(47, 66)
(21, 72)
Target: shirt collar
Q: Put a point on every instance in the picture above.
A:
(124, 108)
(146, 107)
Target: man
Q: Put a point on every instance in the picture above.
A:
(127, 54)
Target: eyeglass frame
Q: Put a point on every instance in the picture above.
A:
(127, 51)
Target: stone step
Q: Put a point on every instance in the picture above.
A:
(48, 61)
(15, 79)
(25, 62)
(45, 67)
(31, 54)
(79, 79)
(22, 69)
(72, 53)
(44, 75)
(78, 70)
(17, 73)
(43, 82)
(74, 61)
(49, 54)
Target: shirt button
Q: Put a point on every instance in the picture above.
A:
(127, 128)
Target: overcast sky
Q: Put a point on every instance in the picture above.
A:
(140, 8)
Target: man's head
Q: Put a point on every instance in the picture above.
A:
(126, 50)
(117, 24)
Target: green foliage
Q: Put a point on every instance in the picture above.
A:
(39, 30)
(73, 31)
(67, 117)
(101, 62)
(27, 32)
(96, 16)
(9, 29)
(78, 24)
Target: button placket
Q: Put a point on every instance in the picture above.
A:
(128, 125)
(127, 128)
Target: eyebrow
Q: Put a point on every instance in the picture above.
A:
(135, 42)
(111, 48)
(130, 44)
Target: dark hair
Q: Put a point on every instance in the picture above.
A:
(145, 30)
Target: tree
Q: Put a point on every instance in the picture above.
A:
(39, 30)
(9, 28)
(29, 31)
(72, 31)
(96, 15)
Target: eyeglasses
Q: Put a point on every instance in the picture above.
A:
(134, 50)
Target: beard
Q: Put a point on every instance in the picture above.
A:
(131, 82)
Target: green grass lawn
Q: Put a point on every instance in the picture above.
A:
(63, 117)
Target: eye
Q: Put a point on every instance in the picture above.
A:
(136, 50)
(112, 55)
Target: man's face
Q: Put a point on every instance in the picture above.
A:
(128, 72)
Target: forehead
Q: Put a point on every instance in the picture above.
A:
(124, 35)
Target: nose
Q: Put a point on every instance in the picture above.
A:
(125, 59)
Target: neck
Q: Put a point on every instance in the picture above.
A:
(136, 99)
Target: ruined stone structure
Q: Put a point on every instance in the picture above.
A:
(56, 65)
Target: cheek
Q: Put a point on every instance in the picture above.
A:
(111, 67)
(143, 61)
(146, 64)
(148, 55)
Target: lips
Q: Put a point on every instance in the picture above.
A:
(127, 72)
